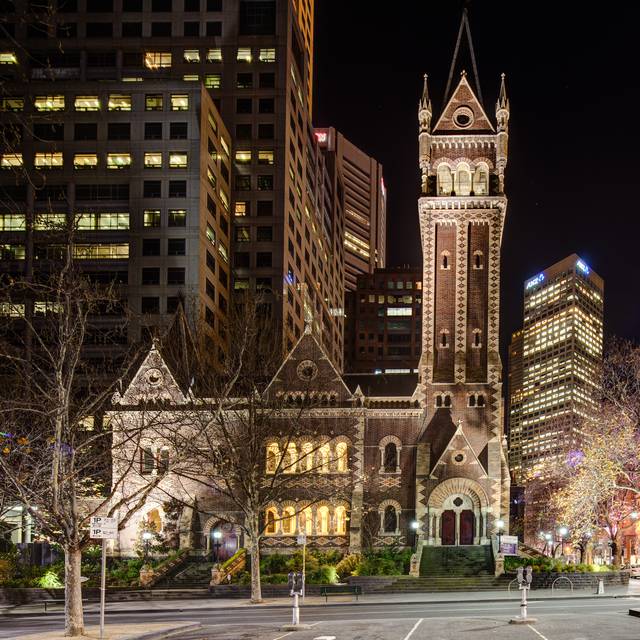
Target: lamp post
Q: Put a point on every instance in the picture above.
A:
(547, 544)
(217, 535)
(415, 525)
(562, 531)
(146, 536)
(499, 527)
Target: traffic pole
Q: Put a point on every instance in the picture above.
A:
(304, 573)
(103, 586)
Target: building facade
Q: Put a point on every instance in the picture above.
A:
(555, 369)
(424, 448)
(383, 328)
(365, 205)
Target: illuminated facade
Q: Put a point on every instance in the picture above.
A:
(554, 366)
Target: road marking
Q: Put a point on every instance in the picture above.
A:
(537, 632)
(415, 626)
(284, 636)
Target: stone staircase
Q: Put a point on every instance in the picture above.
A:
(456, 562)
(195, 573)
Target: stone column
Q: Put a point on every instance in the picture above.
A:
(438, 539)
(476, 537)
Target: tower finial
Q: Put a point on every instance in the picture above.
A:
(425, 101)
(503, 102)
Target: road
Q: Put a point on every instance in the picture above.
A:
(605, 619)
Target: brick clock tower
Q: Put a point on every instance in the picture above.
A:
(462, 471)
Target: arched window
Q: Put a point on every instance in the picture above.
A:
(472, 400)
(447, 400)
(290, 458)
(273, 455)
(390, 457)
(305, 521)
(445, 182)
(341, 520)
(478, 260)
(462, 184)
(438, 401)
(390, 520)
(445, 263)
(324, 454)
(477, 338)
(323, 521)
(341, 457)
(288, 520)
(481, 180)
(272, 516)
(306, 460)
(480, 400)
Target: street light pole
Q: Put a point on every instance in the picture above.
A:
(146, 536)
(217, 535)
(415, 525)
(499, 527)
(563, 532)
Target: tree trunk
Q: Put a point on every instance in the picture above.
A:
(618, 555)
(256, 588)
(73, 615)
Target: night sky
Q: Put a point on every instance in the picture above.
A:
(574, 86)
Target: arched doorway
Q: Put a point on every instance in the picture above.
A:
(448, 534)
(222, 541)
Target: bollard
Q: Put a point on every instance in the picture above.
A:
(296, 611)
(600, 591)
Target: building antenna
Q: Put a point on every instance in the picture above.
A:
(464, 27)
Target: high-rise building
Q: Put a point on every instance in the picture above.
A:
(555, 365)
(254, 57)
(383, 325)
(365, 206)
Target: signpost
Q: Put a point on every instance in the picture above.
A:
(103, 528)
(302, 539)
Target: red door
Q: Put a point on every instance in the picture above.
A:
(448, 521)
(467, 522)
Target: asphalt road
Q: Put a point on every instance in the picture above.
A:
(605, 619)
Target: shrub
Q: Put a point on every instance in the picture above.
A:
(331, 557)
(274, 563)
(348, 565)
(294, 563)
(274, 578)
(326, 574)
(7, 568)
(50, 580)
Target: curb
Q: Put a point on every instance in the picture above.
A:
(166, 633)
(249, 607)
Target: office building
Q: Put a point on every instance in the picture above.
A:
(383, 325)
(254, 59)
(554, 366)
(365, 206)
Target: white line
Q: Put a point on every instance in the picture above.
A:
(315, 623)
(537, 632)
(415, 626)
(284, 636)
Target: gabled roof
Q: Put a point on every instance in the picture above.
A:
(458, 441)
(463, 96)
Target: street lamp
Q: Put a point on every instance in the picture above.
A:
(547, 544)
(146, 536)
(217, 535)
(415, 525)
(563, 532)
(499, 527)
(635, 515)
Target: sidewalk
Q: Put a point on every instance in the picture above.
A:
(633, 590)
(123, 632)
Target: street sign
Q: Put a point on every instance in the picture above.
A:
(103, 528)
(302, 538)
(509, 545)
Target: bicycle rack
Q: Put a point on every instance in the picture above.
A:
(553, 584)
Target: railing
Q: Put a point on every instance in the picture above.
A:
(234, 565)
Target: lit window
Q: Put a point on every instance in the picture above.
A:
(214, 55)
(12, 103)
(10, 160)
(103, 221)
(157, 60)
(87, 103)
(211, 178)
(213, 80)
(151, 218)
(267, 55)
(192, 77)
(265, 157)
(240, 208)
(177, 218)
(322, 524)
(211, 235)
(225, 146)
(119, 102)
(49, 103)
(244, 54)
(191, 55)
(118, 160)
(177, 160)
(48, 221)
(225, 199)
(153, 102)
(212, 122)
(8, 57)
(222, 250)
(153, 160)
(12, 222)
(85, 160)
(179, 102)
(48, 160)
(399, 311)
(243, 157)
(104, 251)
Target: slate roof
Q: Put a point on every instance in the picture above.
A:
(391, 385)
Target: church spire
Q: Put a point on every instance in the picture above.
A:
(503, 102)
(425, 101)
(424, 133)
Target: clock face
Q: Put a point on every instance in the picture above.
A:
(154, 377)
(307, 370)
(463, 117)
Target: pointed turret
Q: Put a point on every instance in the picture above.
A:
(502, 118)
(424, 137)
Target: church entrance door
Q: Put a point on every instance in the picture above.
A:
(467, 521)
(448, 527)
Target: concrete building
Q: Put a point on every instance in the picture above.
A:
(255, 61)
(555, 364)
(365, 205)
(383, 328)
